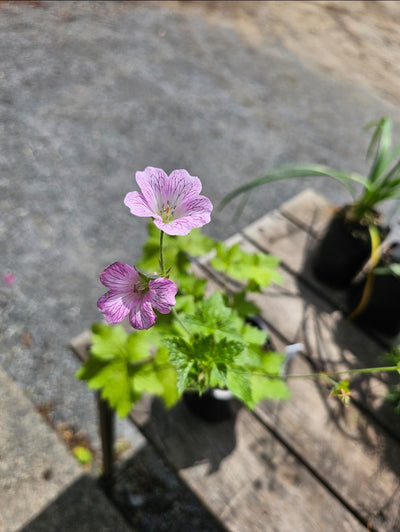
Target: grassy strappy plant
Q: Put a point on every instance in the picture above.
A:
(381, 184)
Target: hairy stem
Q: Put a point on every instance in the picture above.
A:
(162, 265)
(180, 322)
(383, 369)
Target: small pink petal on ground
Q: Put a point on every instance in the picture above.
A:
(9, 278)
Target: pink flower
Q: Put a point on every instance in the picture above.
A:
(134, 295)
(173, 201)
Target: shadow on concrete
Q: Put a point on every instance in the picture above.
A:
(82, 507)
(147, 497)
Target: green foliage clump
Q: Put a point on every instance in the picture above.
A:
(205, 343)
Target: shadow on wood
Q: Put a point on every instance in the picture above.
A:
(190, 439)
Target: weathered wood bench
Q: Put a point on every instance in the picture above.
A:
(308, 463)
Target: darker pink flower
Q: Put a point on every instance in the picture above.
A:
(134, 295)
(173, 201)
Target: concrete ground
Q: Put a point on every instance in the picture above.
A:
(91, 92)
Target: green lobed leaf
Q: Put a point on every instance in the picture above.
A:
(214, 309)
(214, 317)
(189, 284)
(238, 383)
(158, 378)
(242, 306)
(167, 376)
(253, 335)
(124, 366)
(181, 356)
(253, 286)
(203, 362)
(266, 386)
(262, 372)
(260, 269)
(185, 304)
(89, 371)
(183, 380)
(180, 351)
(112, 377)
(271, 362)
(142, 344)
(263, 387)
(217, 353)
(108, 341)
(218, 377)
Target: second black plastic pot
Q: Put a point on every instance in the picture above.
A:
(343, 251)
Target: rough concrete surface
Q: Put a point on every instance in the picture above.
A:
(37, 473)
(93, 91)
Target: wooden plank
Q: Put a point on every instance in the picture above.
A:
(242, 473)
(353, 455)
(309, 210)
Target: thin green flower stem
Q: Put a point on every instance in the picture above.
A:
(383, 369)
(162, 266)
(180, 322)
(326, 374)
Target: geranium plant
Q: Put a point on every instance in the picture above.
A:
(182, 339)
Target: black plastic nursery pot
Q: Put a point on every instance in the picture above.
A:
(344, 249)
(382, 309)
(215, 405)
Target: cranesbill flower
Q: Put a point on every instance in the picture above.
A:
(135, 295)
(173, 201)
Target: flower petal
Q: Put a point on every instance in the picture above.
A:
(119, 277)
(200, 204)
(193, 214)
(115, 306)
(181, 187)
(138, 204)
(142, 316)
(152, 182)
(163, 292)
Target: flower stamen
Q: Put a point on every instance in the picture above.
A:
(167, 213)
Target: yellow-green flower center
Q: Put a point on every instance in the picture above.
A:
(167, 212)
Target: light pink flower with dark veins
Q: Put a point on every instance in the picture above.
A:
(130, 294)
(173, 201)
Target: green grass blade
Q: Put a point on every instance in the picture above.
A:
(294, 171)
(381, 143)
